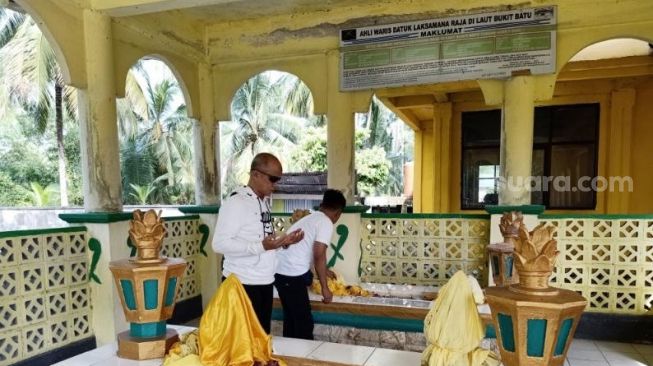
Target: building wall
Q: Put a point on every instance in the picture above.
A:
(641, 200)
(621, 153)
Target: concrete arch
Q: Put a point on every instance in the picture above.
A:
(64, 32)
(576, 48)
(185, 72)
(311, 70)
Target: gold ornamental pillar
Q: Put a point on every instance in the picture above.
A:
(534, 323)
(500, 255)
(147, 286)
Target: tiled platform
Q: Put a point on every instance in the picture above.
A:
(582, 353)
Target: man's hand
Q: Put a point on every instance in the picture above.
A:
(331, 274)
(271, 242)
(327, 296)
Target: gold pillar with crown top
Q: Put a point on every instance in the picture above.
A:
(147, 285)
(534, 323)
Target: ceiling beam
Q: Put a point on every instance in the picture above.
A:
(406, 115)
(412, 101)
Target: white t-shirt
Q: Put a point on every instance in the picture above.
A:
(298, 258)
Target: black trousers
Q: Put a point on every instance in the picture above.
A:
(297, 317)
(261, 298)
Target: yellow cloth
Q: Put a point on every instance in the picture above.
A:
(339, 288)
(453, 328)
(229, 333)
(185, 352)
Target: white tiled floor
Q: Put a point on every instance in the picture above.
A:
(582, 353)
(597, 353)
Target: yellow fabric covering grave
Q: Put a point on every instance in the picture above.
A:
(229, 333)
(339, 288)
(453, 328)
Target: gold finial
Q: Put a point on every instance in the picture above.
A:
(146, 232)
(535, 256)
(509, 226)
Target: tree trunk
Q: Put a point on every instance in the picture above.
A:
(63, 183)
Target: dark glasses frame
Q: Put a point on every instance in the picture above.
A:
(271, 178)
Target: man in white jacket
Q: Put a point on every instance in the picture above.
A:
(244, 234)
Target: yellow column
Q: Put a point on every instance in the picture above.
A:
(340, 132)
(620, 139)
(101, 170)
(517, 122)
(97, 114)
(418, 206)
(206, 143)
(441, 159)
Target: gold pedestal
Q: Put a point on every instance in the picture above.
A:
(145, 348)
(534, 330)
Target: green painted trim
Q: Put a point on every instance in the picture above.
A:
(507, 332)
(360, 258)
(535, 337)
(525, 209)
(96, 217)
(31, 232)
(409, 216)
(181, 218)
(95, 247)
(281, 214)
(563, 335)
(109, 217)
(356, 209)
(204, 229)
(202, 209)
(599, 216)
(343, 234)
(361, 321)
(370, 322)
(128, 293)
(147, 330)
(170, 291)
(151, 293)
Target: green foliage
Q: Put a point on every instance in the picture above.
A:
(141, 193)
(155, 139)
(23, 162)
(372, 169)
(311, 156)
(12, 194)
(44, 196)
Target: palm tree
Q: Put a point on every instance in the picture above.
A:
(35, 80)
(262, 121)
(155, 137)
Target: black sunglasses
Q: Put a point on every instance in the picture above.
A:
(271, 178)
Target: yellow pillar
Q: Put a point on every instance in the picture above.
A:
(206, 143)
(621, 124)
(517, 120)
(442, 113)
(97, 114)
(418, 206)
(340, 132)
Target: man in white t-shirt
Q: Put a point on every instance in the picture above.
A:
(294, 266)
(244, 234)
